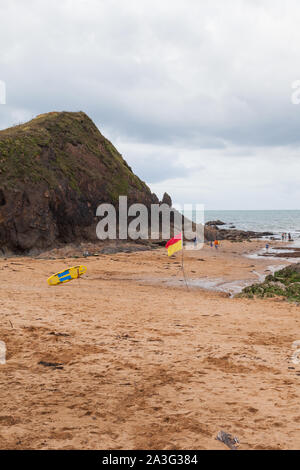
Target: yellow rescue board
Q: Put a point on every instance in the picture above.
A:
(65, 276)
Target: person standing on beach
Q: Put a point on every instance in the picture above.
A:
(267, 247)
(217, 243)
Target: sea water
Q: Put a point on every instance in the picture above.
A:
(275, 221)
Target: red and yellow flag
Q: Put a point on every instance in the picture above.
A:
(174, 245)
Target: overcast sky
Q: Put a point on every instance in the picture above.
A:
(195, 94)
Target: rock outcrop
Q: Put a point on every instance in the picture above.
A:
(215, 223)
(239, 235)
(284, 283)
(167, 200)
(54, 172)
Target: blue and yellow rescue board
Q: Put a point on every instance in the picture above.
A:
(65, 276)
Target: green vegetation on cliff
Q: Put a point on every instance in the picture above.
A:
(63, 144)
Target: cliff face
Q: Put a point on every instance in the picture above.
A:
(54, 172)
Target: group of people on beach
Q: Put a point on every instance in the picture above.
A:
(215, 244)
(286, 237)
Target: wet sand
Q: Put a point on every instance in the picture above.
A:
(142, 362)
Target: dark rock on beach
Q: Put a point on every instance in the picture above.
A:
(240, 235)
(287, 252)
(231, 233)
(215, 223)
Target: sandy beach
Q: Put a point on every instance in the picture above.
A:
(142, 362)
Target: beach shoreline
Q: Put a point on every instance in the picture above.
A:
(142, 363)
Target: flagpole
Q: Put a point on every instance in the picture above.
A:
(182, 265)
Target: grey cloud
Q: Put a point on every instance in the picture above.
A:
(192, 75)
(158, 168)
(207, 76)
